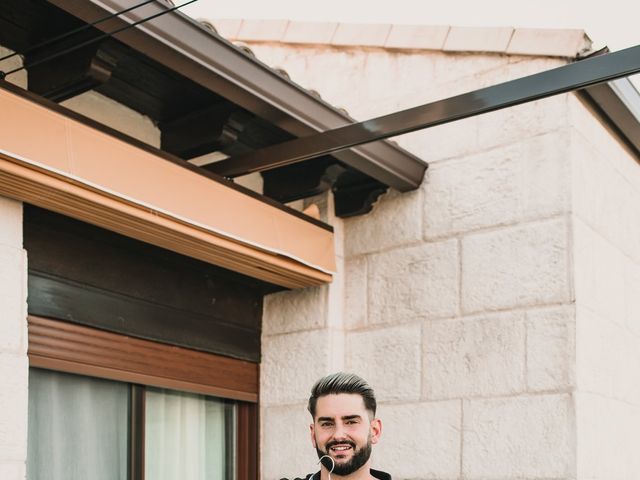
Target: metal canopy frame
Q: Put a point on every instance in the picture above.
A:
(590, 72)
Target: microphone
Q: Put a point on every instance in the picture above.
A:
(328, 463)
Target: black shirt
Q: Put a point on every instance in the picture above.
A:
(380, 475)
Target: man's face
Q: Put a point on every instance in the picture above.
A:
(343, 429)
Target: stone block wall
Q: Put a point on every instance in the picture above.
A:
(606, 235)
(458, 298)
(13, 343)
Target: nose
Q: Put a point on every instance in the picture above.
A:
(340, 432)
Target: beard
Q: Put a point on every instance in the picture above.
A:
(359, 458)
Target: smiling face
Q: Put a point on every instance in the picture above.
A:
(344, 430)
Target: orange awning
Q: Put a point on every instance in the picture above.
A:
(59, 163)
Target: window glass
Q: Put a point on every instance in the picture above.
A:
(188, 436)
(78, 427)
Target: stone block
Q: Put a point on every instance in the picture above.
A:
(600, 273)
(420, 440)
(589, 126)
(607, 358)
(548, 42)
(519, 437)
(361, 34)
(395, 220)
(474, 356)
(429, 145)
(414, 283)
(294, 310)
(310, 32)
(606, 195)
(14, 372)
(417, 37)
(478, 39)
(291, 363)
(608, 436)
(456, 72)
(551, 349)
(262, 30)
(287, 424)
(389, 358)
(519, 125)
(355, 302)
(10, 222)
(518, 182)
(523, 265)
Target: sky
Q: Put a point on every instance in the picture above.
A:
(615, 23)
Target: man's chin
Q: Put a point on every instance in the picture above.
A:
(345, 464)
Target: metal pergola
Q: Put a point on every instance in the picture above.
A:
(580, 75)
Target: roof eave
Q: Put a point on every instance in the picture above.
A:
(183, 45)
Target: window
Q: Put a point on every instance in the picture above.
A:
(83, 427)
(106, 406)
(78, 427)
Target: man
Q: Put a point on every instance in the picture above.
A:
(344, 428)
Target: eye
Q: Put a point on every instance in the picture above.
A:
(326, 424)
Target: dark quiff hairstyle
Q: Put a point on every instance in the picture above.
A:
(342, 382)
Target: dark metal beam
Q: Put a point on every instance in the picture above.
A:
(559, 80)
(617, 103)
(185, 46)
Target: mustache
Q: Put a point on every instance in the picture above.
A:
(343, 442)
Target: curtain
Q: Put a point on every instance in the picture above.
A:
(78, 427)
(188, 436)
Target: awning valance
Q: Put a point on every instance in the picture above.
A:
(57, 162)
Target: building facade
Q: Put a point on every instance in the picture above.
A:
(495, 309)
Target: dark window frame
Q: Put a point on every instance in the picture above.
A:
(71, 348)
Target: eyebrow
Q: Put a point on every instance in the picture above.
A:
(346, 417)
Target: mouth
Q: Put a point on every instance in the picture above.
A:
(340, 449)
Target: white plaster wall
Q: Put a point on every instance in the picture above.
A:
(13, 343)
(458, 298)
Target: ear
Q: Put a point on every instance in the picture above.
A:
(376, 430)
(313, 435)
